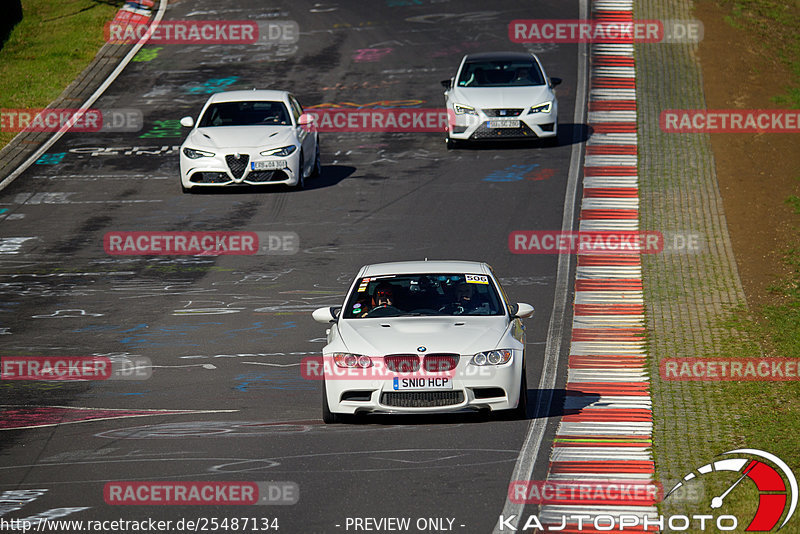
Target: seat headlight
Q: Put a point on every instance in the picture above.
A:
(282, 151)
(461, 109)
(542, 108)
(492, 357)
(192, 153)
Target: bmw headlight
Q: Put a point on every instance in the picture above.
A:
(345, 359)
(282, 151)
(542, 108)
(191, 153)
(461, 109)
(492, 357)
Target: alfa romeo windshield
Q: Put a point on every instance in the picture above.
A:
(245, 114)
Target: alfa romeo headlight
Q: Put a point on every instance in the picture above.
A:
(192, 153)
(282, 151)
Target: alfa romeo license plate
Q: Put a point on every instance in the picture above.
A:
(269, 165)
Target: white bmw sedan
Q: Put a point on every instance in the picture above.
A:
(422, 337)
(501, 95)
(249, 138)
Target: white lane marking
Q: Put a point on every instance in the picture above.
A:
(274, 364)
(12, 245)
(529, 451)
(91, 100)
(203, 365)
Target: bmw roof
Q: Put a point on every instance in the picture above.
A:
(499, 56)
(420, 267)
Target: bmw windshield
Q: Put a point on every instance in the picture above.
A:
(412, 295)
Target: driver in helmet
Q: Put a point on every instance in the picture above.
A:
(464, 300)
(382, 297)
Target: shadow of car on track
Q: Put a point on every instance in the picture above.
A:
(329, 176)
(568, 134)
(580, 400)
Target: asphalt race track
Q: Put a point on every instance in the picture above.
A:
(225, 334)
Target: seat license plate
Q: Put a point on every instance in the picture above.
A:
(504, 124)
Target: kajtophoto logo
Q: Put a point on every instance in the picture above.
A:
(770, 482)
(774, 481)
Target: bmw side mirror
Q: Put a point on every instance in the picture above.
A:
(328, 314)
(555, 81)
(188, 122)
(447, 83)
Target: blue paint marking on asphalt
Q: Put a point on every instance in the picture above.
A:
(51, 159)
(278, 379)
(212, 86)
(514, 173)
(186, 335)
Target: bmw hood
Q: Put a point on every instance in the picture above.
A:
(241, 137)
(403, 335)
(502, 97)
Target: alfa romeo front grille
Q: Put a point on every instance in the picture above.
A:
(266, 176)
(209, 178)
(237, 165)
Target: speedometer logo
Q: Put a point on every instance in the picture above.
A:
(775, 499)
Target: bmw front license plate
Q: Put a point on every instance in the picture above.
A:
(422, 384)
(269, 165)
(504, 124)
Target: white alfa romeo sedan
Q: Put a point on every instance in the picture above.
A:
(501, 95)
(249, 138)
(423, 337)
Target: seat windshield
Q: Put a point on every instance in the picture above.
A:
(500, 74)
(413, 295)
(245, 114)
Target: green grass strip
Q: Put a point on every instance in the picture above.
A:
(47, 50)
